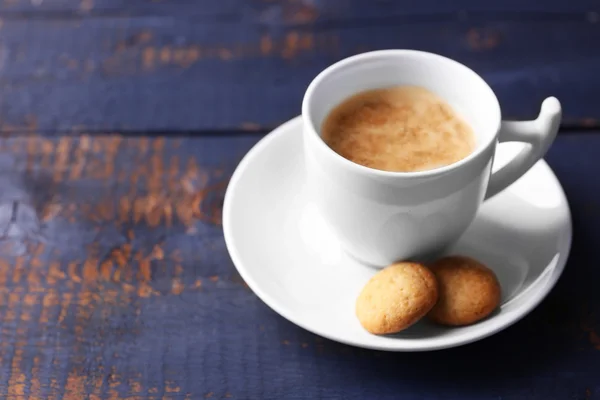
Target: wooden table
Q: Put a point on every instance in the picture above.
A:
(122, 121)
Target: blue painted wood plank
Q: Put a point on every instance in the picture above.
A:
(288, 11)
(123, 287)
(159, 73)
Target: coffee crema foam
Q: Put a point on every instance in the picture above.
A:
(400, 129)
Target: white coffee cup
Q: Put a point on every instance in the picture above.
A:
(381, 217)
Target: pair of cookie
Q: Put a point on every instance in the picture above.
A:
(453, 291)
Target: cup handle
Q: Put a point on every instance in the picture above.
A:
(538, 133)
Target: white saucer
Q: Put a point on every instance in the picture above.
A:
(287, 255)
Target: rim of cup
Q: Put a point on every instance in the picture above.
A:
(432, 57)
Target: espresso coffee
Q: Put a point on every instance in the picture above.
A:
(401, 129)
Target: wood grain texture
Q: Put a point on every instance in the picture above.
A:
(181, 66)
(96, 231)
(115, 283)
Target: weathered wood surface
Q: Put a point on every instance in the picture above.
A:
(115, 283)
(83, 65)
(114, 277)
(289, 11)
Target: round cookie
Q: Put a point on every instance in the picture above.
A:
(468, 291)
(396, 297)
